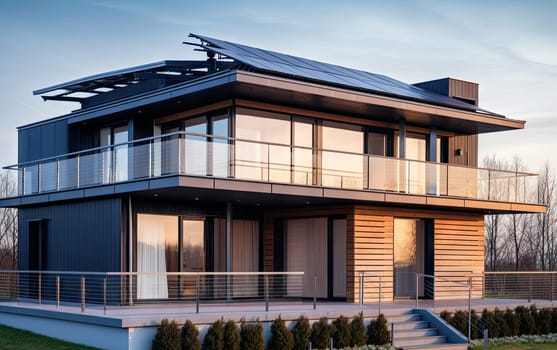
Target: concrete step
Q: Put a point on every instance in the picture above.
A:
(404, 318)
(412, 333)
(413, 341)
(445, 346)
(410, 325)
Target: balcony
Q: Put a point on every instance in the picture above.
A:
(209, 156)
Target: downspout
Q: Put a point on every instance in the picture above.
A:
(130, 251)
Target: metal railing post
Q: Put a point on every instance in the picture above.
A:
(266, 293)
(361, 291)
(197, 294)
(485, 339)
(530, 288)
(392, 333)
(40, 289)
(82, 293)
(104, 295)
(314, 292)
(417, 280)
(469, 308)
(58, 292)
(380, 292)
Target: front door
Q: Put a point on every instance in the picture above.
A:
(408, 257)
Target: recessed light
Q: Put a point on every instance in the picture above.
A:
(156, 195)
(258, 204)
(307, 202)
(196, 198)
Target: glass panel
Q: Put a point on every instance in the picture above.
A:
(259, 161)
(220, 149)
(193, 253)
(170, 152)
(48, 176)
(121, 154)
(68, 173)
(341, 169)
(31, 179)
(157, 253)
(405, 257)
(302, 154)
(106, 168)
(196, 147)
(377, 144)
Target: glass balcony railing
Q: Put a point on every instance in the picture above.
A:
(221, 157)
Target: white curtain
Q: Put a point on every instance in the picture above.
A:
(306, 249)
(151, 240)
(245, 256)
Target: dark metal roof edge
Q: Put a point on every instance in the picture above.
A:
(230, 75)
(101, 76)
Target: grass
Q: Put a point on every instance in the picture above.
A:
(12, 338)
(520, 347)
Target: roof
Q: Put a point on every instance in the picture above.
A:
(110, 86)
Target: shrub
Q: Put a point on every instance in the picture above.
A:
(527, 324)
(214, 337)
(474, 333)
(543, 321)
(281, 337)
(378, 332)
(460, 321)
(499, 320)
(301, 333)
(446, 315)
(554, 320)
(231, 336)
(320, 334)
(167, 337)
(251, 336)
(340, 331)
(189, 337)
(512, 322)
(488, 318)
(357, 331)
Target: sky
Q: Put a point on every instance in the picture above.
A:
(508, 47)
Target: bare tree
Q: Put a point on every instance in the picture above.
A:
(517, 225)
(8, 225)
(546, 223)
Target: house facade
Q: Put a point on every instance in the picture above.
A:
(252, 160)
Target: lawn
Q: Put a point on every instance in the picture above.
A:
(521, 347)
(11, 338)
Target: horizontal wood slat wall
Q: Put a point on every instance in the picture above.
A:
(458, 252)
(369, 249)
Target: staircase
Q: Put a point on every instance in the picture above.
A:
(412, 330)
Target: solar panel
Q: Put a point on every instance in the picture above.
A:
(284, 64)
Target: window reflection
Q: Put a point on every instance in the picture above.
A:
(342, 169)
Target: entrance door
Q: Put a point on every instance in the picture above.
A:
(408, 257)
(193, 253)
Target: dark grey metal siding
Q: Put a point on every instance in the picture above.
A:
(42, 141)
(81, 236)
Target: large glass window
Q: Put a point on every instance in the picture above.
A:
(341, 159)
(264, 153)
(302, 153)
(220, 147)
(412, 173)
(115, 159)
(196, 146)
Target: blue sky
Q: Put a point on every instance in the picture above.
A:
(508, 47)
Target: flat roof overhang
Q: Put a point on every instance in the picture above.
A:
(265, 195)
(293, 93)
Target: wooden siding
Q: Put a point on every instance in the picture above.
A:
(464, 89)
(458, 252)
(369, 248)
(468, 144)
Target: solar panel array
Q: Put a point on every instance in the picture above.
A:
(288, 65)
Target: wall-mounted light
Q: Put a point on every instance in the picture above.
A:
(458, 152)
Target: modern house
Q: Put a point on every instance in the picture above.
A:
(253, 160)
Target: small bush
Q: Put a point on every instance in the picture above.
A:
(357, 331)
(301, 333)
(167, 337)
(189, 337)
(340, 331)
(320, 334)
(554, 320)
(214, 337)
(281, 337)
(512, 322)
(527, 323)
(378, 331)
(251, 336)
(231, 336)
(474, 331)
(543, 321)
(460, 321)
(499, 320)
(446, 315)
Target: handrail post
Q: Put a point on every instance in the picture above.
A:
(361, 291)
(57, 292)
(266, 293)
(197, 294)
(380, 292)
(40, 289)
(314, 292)
(104, 295)
(417, 277)
(469, 308)
(82, 293)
